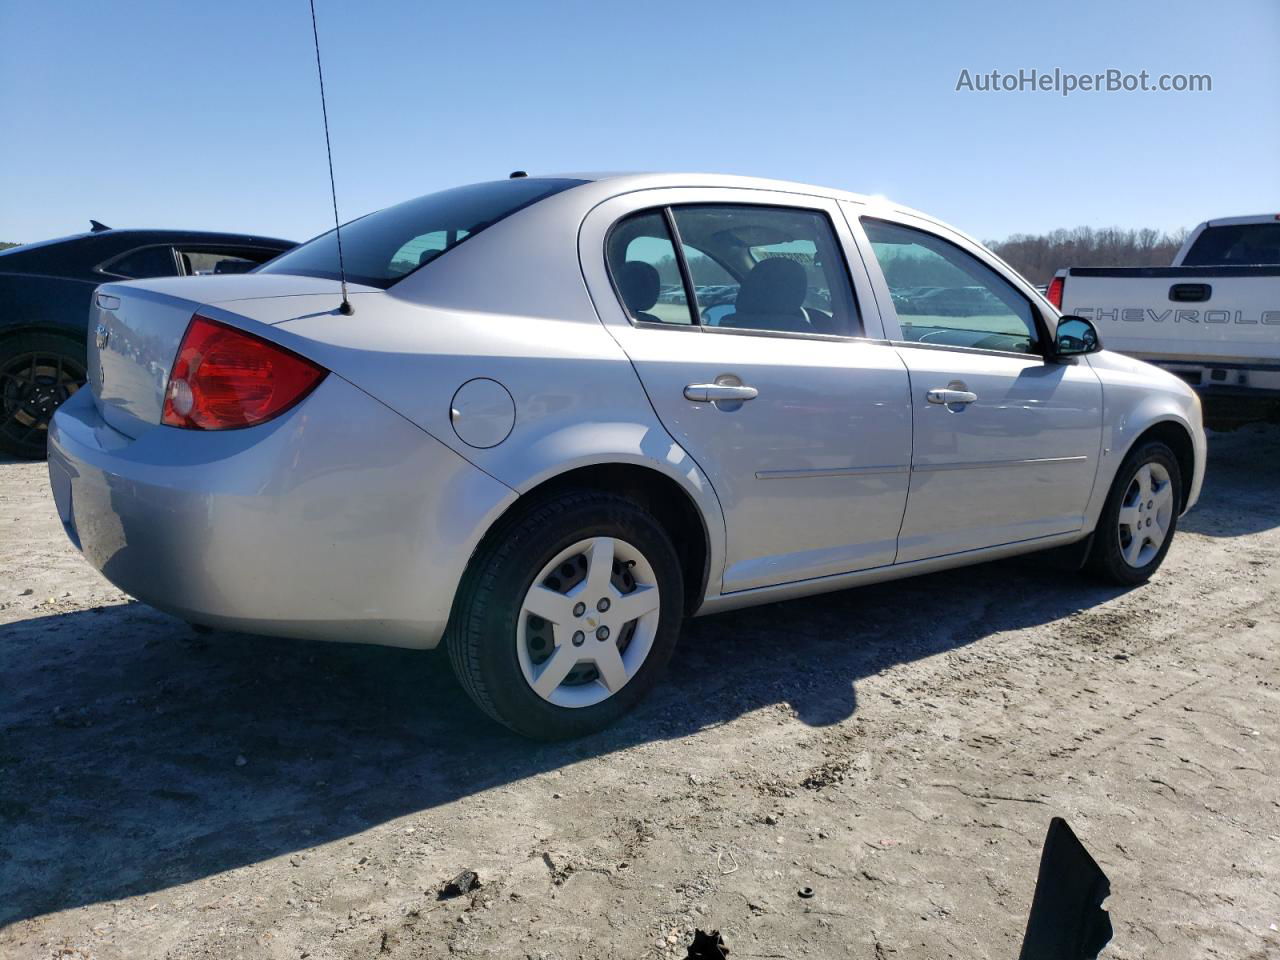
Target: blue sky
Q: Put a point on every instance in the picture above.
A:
(207, 115)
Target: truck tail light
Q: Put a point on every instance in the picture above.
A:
(1054, 293)
(224, 378)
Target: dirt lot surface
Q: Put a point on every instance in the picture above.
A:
(899, 749)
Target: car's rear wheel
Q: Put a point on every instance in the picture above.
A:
(1140, 517)
(567, 615)
(38, 371)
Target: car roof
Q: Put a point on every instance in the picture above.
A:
(1236, 221)
(618, 182)
(152, 235)
(642, 179)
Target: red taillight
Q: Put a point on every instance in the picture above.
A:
(224, 378)
(1054, 293)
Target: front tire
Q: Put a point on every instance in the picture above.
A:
(38, 371)
(1140, 517)
(567, 615)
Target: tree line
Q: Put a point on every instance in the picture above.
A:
(1039, 256)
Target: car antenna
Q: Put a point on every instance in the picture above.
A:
(345, 309)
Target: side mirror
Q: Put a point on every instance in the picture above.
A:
(1076, 336)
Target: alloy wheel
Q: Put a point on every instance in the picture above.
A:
(1146, 514)
(32, 387)
(588, 622)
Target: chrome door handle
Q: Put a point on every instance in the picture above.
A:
(713, 392)
(942, 395)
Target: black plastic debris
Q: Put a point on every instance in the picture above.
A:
(1067, 921)
(464, 882)
(805, 892)
(707, 946)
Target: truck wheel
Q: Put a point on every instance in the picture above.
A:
(38, 371)
(1140, 517)
(567, 615)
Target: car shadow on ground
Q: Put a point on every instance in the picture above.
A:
(136, 755)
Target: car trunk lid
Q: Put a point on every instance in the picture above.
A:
(136, 328)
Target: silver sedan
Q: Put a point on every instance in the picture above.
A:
(545, 419)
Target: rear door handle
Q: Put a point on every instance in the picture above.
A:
(713, 392)
(944, 395)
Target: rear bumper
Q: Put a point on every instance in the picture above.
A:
(339, 520)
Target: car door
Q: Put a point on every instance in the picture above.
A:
(737, 312)
(1006, 444)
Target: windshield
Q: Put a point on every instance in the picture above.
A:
(385, 246)
(1236, 244)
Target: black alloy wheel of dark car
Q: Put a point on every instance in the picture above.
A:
(38, 371)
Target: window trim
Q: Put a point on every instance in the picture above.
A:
(1044, 336)
(667, 211)
(686, 278)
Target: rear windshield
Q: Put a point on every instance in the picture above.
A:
(1239, 244)
(385, 246)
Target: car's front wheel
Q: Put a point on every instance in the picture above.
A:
(567, 615)
(1140, 517)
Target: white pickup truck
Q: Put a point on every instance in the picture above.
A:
(1212, 318)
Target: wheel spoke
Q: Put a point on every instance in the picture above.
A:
(1134, 549)
(555, 670)
(613, 673)
(1155, 532)
(547, 604)
(1129, 517)
(634, 605)
(599, 569)
(1145, 481)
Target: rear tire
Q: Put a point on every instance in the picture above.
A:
(587, 561)
(1140, 517)
(38, 371)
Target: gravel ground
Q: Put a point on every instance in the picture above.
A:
(900, 749)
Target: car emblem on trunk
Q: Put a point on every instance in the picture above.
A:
(101, 335)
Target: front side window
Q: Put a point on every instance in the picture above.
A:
(769, 268)
(944, 295)
(386, 246)
(143, 263)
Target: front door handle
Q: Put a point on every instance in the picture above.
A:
(944, 395)
(716, 392)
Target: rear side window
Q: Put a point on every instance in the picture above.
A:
(386, 246)
(945, 296)
(1238, 244)
(143, 263)
(642, 262)
(767, 268)
(764, 268)
(197, 261)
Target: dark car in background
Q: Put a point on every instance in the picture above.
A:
(45, 291)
